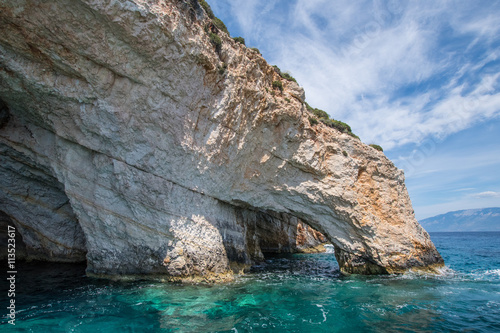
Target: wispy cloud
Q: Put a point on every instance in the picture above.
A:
(396, 73)
(487, 194)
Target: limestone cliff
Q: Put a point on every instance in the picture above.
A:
(131, 136)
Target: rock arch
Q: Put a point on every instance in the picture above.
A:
(161, 155)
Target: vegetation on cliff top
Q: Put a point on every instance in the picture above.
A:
(325, 119)
(215, 20)
(256, 50)
(376, 147)
(284, 75)
(240, 40)
(207, 8)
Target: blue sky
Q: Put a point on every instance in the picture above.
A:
(422, 79)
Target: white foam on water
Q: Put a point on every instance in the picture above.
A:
(444, 272)
(329, 248)
(322, 311)
(490, 274)
(494, 272)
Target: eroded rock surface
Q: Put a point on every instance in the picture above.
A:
(172, 152)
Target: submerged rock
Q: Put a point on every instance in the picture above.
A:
(158, 152)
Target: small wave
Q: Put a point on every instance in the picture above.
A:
(447, 273)
(490, 274)
(441, 273)
(494, 272)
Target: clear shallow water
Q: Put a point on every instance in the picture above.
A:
(295, 293)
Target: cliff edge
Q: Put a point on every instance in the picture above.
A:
(132, 137)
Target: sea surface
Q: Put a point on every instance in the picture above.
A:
(292, 293)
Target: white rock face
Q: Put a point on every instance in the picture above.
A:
(172, 163)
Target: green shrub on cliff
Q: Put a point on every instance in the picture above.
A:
(216, 41)
(354, 135)
(288, 77)
(313, 121)
(220, 25)
(240, 40)
(207, 8)
(337, 124)
(376, 147)
(284, 75)
(215, 20)
(320, 114)
(278, 84)
(325, 119)
(317, 112)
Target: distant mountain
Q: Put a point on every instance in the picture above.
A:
(485, 219)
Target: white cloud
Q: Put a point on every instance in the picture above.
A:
(464, 189)
(487, 194)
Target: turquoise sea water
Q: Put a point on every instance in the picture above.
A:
(294, 293)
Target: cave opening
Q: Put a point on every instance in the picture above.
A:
(292, 247)
(34, 202)
(288, 243)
